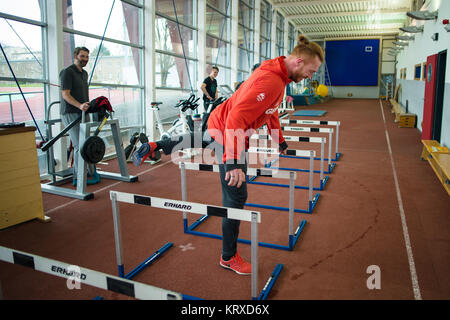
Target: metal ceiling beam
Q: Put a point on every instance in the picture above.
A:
(313, 3)
(345, 14)
(352, 24)
(315, 35)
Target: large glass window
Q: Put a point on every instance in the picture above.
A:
(279, 41)
(218, 33)
(23, 26)
(176, 53)
(291, 38)
(245, 38)
(265, 30)
(115, 65)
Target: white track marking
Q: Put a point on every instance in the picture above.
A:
(412, 266)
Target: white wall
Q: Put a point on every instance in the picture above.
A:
(417, 52)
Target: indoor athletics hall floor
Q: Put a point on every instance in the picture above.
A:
(356, 223)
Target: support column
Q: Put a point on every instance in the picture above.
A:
(257, 34)
(55, 58)
(149, 68)
(286, 38)
(201, 49)
(273, 37)
(234, 42)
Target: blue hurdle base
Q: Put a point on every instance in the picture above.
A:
(187, 297)
(264, 292)
(291, 243)
(337, 156)
(144, 264)
(251, 180)
(271, 163)
(273, 277)
(270, 282)
(310, 209)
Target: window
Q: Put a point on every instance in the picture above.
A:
(245, 38)
(265, 30)
(279, 41)
(218, 34)
(175, 75)
(23, 26)
(115, 64)
(291, 37)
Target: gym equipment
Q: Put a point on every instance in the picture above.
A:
(293, 236)
(314, 129)
(86, 276)
(325, 123)
(185, 123)
(132, 146)
(93, 148)
(312, 200)
(212, 104)
(322, 90)
(142, 138)
(202, 209)
(59, 178)
(286, 105)
(180, 125)
(321, 140)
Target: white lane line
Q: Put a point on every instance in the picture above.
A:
(105, 188)
(412, 266)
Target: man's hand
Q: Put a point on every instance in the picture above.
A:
(235, 177)
(283, 147)
(84, 106)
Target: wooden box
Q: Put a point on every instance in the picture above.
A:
(20, 187)
(407, 120)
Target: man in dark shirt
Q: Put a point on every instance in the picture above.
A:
(75, 94)
(209, 87)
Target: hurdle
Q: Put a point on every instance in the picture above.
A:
(203, 209)
(321, 140)
(323, 123)
(312, 200)
(320, 130)
(293, 236)
(87, 276)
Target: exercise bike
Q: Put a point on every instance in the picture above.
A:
(183, 124)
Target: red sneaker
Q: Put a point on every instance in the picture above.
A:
(237, 264)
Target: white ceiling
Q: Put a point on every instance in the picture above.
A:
(320, 19)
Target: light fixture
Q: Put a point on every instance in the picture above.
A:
(422, 15)
(405, 38)
(412, 29)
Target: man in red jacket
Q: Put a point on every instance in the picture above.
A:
(230, 125)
